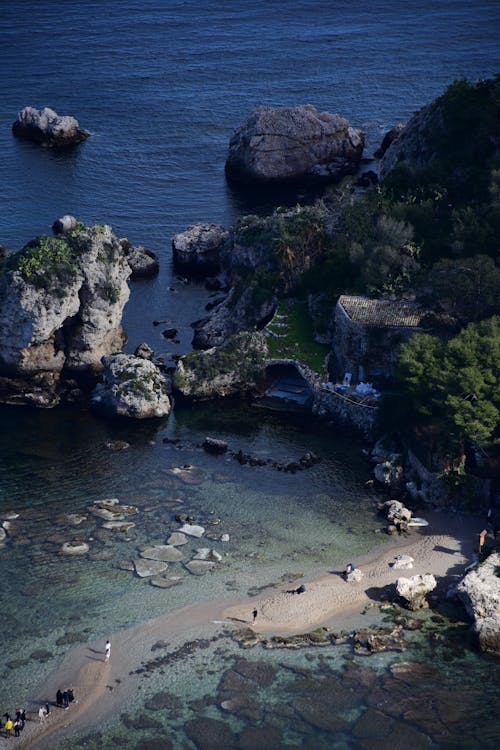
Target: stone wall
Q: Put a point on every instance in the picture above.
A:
(335, 406)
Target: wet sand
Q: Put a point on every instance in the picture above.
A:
(444, 548)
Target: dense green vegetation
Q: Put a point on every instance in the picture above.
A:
(455, 385)
(430, 231)
(43, 258)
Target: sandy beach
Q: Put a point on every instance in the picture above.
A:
(444, 548)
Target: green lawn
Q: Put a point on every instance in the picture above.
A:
(294, 328)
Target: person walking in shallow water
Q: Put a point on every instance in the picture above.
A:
(107, 651)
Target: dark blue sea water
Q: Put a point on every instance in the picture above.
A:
(161, 86)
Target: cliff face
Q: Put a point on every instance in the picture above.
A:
(61, 303)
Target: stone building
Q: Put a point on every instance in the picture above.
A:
(368, 334)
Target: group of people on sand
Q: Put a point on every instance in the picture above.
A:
(13, 725)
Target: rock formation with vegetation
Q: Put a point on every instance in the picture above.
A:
(61, 303)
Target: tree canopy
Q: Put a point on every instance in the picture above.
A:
(456, 384)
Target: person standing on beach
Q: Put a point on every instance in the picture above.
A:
(8, 726)
(254, 614)
(41, 714)
(482, 537)
(107, 650)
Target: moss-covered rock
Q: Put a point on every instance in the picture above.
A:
(230, 369)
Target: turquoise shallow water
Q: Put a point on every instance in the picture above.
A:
(277, 522)
(280, 526)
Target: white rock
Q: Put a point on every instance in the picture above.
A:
(403, 562)
(414, 589)
(145, 568)
(354, 576)
(192, 530)
(224, 538)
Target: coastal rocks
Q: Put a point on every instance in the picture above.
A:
(214, 446)
(480, 593)
(132, 387)
(48, 128)
(230, 369)
(61, 302)
(370, 641)
(242, 310)
(197, 251)
(414, 590)
(398, 516)
(389, 139)
(288, 144)
(390, 474)
(143, 263)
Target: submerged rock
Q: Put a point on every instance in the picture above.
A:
(146, 568)
(162, 582)
(176, 539)
(132, 387)
(287, 144)
(164, 552)
(75, 547)
(48, 128)
(199, 567)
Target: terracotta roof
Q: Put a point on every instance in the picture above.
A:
(381, 312)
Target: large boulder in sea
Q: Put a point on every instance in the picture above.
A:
(61, 304)
(227, 370)
(291, 144)
(479, 591)
(48, 128)
(143, 262)
(197, 251)
(131, 387)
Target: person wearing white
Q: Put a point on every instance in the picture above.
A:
(107, 651)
